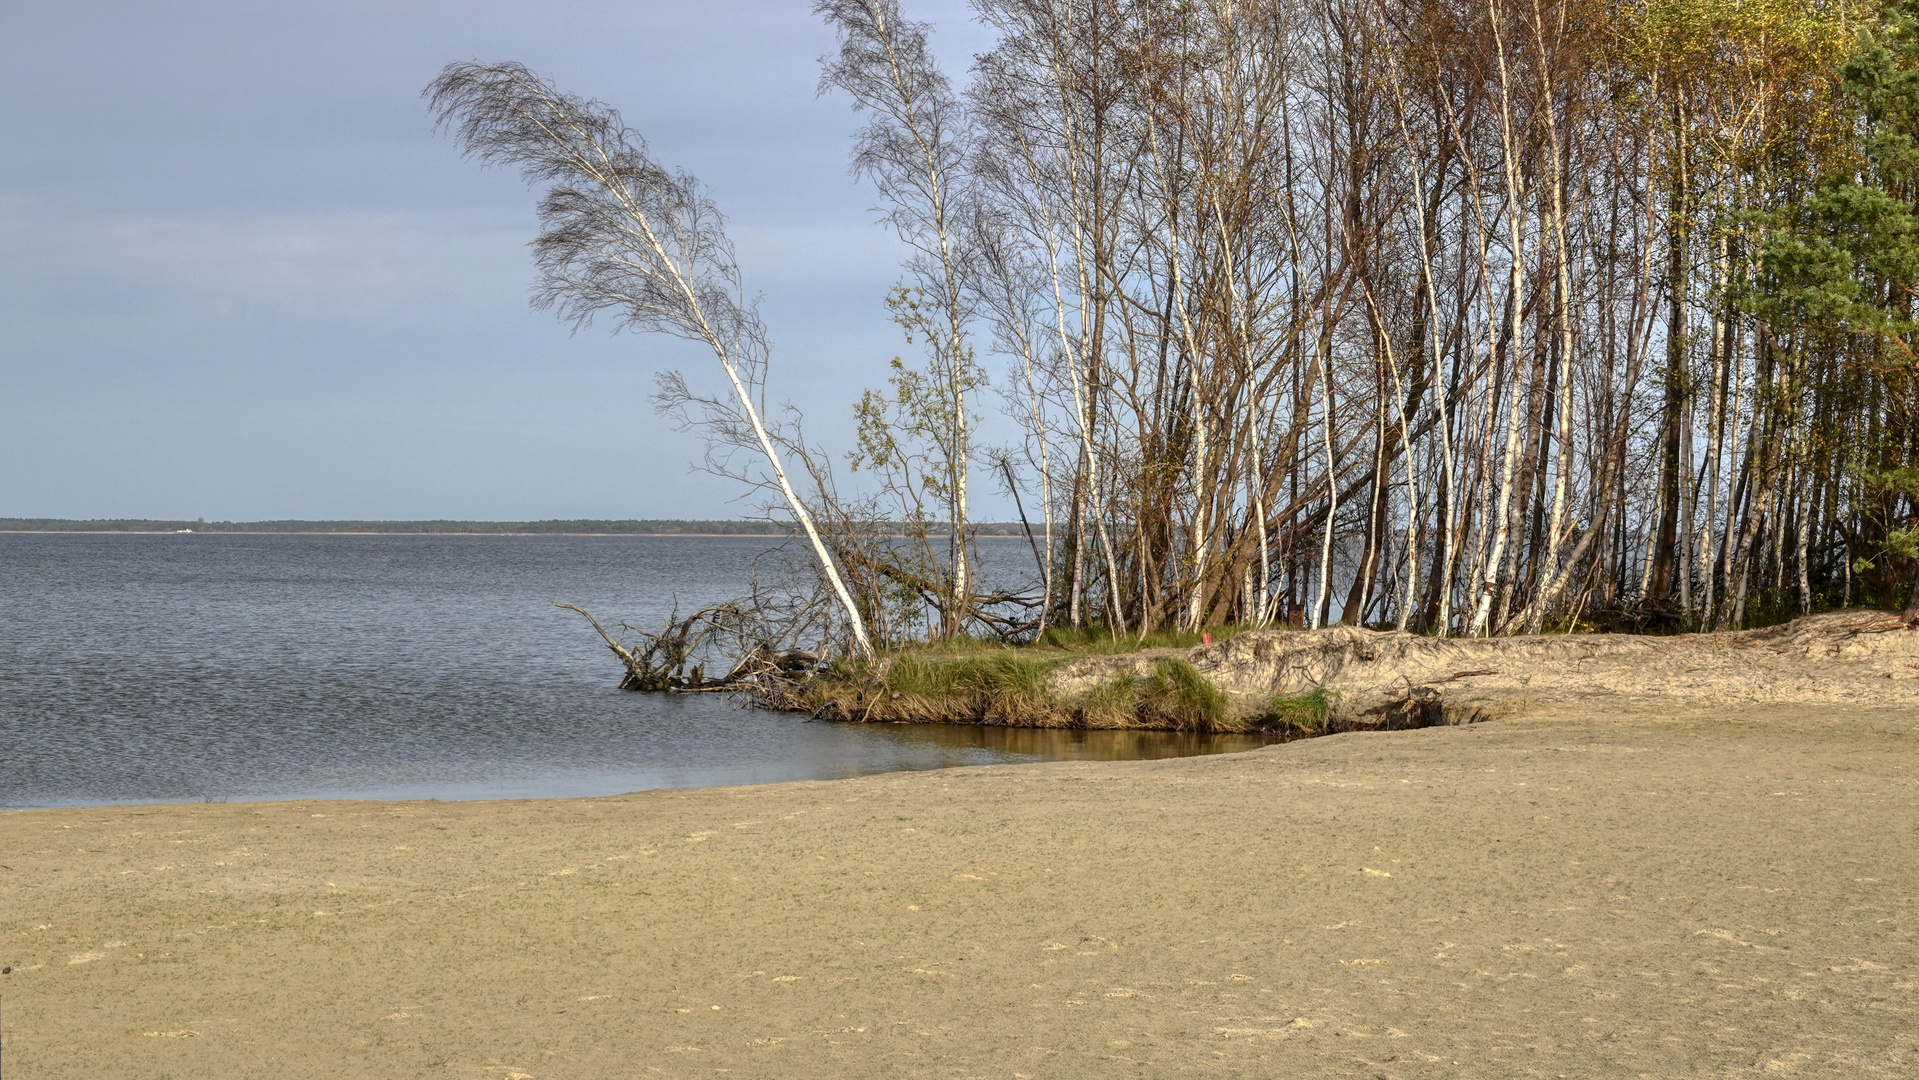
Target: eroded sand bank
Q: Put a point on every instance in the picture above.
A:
(1844, 658)
(1629, 889)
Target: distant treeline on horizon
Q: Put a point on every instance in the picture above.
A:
(672, 527)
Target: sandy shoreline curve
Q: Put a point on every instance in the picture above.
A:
(1629, 886)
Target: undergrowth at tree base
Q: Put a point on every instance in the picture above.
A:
(1008, 687)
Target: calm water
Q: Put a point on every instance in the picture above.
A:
(170, 668)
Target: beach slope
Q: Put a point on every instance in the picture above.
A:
(1629, 887)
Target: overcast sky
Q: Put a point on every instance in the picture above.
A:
(241, 277)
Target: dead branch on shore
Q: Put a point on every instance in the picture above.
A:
(756, 636)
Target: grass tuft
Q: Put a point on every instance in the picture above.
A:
(1179, 697)
(1301, 714)
(999, 687)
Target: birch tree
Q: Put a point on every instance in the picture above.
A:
(914, 148)
(622, 238)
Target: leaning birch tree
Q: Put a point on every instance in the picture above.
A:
(622, 237)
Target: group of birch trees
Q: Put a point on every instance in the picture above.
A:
(1467, 316)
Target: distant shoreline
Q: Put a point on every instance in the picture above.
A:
(359, 532)
(664, 527)
(559, 528)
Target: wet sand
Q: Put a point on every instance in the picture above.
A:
(1628, 887)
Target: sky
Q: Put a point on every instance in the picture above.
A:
(242, 278)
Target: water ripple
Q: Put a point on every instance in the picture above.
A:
(143, 668)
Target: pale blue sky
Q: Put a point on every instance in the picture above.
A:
(241, 277)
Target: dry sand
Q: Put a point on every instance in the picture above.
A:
(1614, 887)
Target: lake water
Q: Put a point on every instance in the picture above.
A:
(165, 668)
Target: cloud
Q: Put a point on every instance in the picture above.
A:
(309, 265)
(373, 266)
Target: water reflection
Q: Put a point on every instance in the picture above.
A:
(1069, 744)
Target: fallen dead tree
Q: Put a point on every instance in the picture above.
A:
(757, 640)
(755, 648)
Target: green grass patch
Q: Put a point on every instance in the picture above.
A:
(1008, 687)
(1303, 714)
(1004, 686)
(1174, 696)
(960, 645)
(1179, 696)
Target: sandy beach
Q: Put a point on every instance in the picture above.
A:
(1641, 888)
